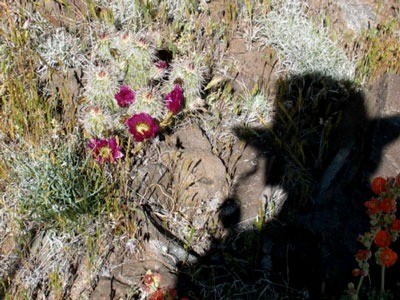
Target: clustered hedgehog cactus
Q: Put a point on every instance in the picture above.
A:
(131, 92)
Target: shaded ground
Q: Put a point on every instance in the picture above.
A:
(306, 250)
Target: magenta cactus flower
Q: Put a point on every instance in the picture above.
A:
(105, 150)
(142, 126)
(125, 96)
(174, 99)
(161, 64)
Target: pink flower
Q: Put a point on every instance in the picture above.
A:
(125, 96)
(161, 64)
(105, 150)
(142, 126)
(174, 99)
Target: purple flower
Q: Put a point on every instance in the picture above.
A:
(142, 126)
(125, 96)
(105, 150)
(161, 64)
(174, 99)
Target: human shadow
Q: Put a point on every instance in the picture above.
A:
(322, 149)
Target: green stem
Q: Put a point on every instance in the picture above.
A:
(382, 279)
(358, 287)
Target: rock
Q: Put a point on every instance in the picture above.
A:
(387, 140)
(357, 15)
(249, 184)
(102, 290)
(187, 185)
(391, 95)
(354, 16)
(63, 15)
(384, 97)
(190, 138)
(253, 66)
(197, 176)
(82, 280)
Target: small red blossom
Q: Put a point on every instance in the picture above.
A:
(386, 257)
(356, 272)
(373, 206)
(379, 185)
(105, 150)
(395, 225)
(383, 239)
(174, 99)
(142, 126)
(363, 254)
(387, 205)
(125, 96)
(157, 295)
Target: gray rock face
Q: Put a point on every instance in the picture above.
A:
(390, 93)
(191, 188)
(386, 100)
(357, 15)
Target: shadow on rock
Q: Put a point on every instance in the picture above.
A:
(322, 150)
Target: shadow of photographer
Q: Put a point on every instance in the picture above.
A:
(320, 162)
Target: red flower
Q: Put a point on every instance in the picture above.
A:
(373, 206)
(142, 126)
(157, 295)
(125, 96)
(363, 254)
(387, 205)
(395, 225)
(387, 257)
(383, 238)
(174, 99)
(356, 272)
(105, 150)
(379, 185)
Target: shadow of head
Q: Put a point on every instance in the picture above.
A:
(318, 122)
